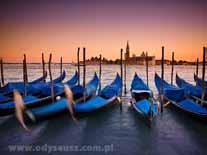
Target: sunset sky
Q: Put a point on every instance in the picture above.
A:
(102, 26)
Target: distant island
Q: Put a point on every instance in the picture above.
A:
(135, 60)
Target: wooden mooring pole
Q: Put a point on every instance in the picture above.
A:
(25, 76)
(78, 62)
(203, 76)
(197, 64)
(23, 65)
(125, 74)
(121, 70)
(43, 66)
(61, 65)
(162, 77)
(147, 65)
(84, 71)
(2, 72)
(172, 69)
(100, 72)
(51, 80)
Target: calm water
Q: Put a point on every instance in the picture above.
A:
(171, 133)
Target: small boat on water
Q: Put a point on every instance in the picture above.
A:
(8, 108)
(4, 98)
(189, 89)
(176, 96)
(61, 106)
(194, 92)
(33, 88)
(142, 99)
(43, 89)
(9, 87)
(108, 96)
(198, 81)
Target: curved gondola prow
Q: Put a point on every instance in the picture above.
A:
(178, 80)
(199, 81)
(118, 83)
(40, 79)
(195, 77)
(73, 80)
(60, 78)
(91, 86)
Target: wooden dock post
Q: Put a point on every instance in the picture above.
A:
(61, 65)
(2, 72)
(78, 62)
(172, 69)
(147, 65)
(197, 64)
(51, 80)
(25, 77)
(84, 72)
(162, 77)
(23, 65)
(100, 72)
(43, 66)
(203, 76)
(121, 70)
(125, 73)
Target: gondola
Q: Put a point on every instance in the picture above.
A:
(60, 106)
(189, 89)
(8, 108)
(194, 92)
(142, 99)
(4, 98)
(8, 88)
(43, 90)
(176, 96)
(32, 88)
(108, 96)
(199, 81)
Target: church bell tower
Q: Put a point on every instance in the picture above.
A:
(127, 55)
